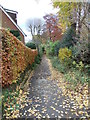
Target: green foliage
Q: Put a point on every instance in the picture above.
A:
(31, 45)
(67, 40)
(79, 66)
(19, 37)
(43, 49)
(72, 74)
(50, 48)
(16, 33)
(81, 51)
(40, 50)
(38, 59)
(9, 95)
(68, 37)
(56, 64)
(87, 69)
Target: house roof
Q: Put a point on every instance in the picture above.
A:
(11, 11)
(4, 10)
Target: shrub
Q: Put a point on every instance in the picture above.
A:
(63, 68)
(56, 64)
(87, 69)
(31, 45)
(37, 59)
(50, 48)
(79, 66)
(16, 33)
(81, 52)
(64, 54)
(67, 40)
(43, 49)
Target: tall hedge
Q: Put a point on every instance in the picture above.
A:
(15, 58)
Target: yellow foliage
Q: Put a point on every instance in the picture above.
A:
(64, 53)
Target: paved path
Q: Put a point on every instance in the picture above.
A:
(45, 99)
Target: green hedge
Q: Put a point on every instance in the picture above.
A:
(31, 45)
(16, 33)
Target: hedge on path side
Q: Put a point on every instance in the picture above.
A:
(15, 58)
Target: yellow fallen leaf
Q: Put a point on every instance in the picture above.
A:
(80, 112)
(81, 106)
(20, 91)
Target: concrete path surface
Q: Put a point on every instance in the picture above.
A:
(44, 99)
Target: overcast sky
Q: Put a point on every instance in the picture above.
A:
(28, 9)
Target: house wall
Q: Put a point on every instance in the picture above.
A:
(7, 23)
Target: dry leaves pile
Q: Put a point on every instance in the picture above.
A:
(14, 100)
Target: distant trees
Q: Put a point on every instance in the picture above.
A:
(41, 31)
(52, 28)
(35, 27)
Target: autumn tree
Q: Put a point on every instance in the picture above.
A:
(52, 27)
(66, 12)
(78, 13)
(72, 12)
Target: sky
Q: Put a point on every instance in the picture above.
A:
(28, 9)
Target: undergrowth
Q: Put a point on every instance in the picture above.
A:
(71, 74)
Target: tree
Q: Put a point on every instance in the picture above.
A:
(76, 12)
(65, 13)
(35, 26)
(82, 15)
(52, 27)
(72, 12)
(44, 37)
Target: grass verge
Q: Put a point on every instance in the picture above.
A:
(71, 75)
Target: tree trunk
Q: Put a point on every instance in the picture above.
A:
(79, 17)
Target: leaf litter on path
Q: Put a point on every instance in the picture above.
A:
(80, 97)
(44, 106)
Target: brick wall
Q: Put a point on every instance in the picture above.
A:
(7, 23)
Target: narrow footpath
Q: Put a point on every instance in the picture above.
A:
(44, 99)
